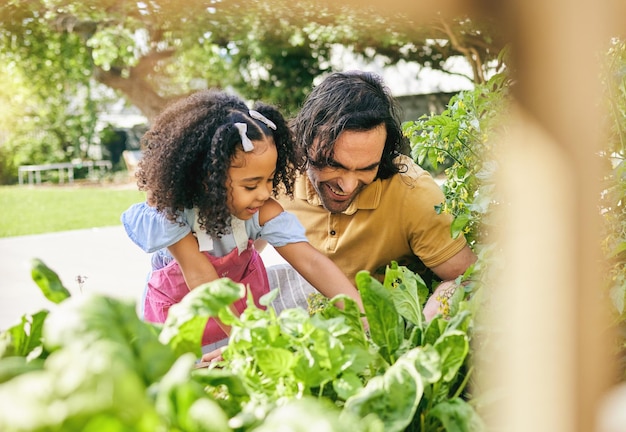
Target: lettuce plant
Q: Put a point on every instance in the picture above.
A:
(92, 364)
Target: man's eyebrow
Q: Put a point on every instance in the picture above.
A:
(335, 164)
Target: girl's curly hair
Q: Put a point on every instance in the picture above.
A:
(190, 146)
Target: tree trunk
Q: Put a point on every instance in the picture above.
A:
(137, 91)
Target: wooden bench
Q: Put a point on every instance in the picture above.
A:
(34, 171)
(131, 159)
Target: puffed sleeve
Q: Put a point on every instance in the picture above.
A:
(151, 230)
(283, 229)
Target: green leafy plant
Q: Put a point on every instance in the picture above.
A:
(464, 136)
(612, 205)
(96, 366)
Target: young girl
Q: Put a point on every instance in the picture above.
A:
(210, 166)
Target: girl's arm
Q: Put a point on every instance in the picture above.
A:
(196, 267)
(319, 270)
(314, 266)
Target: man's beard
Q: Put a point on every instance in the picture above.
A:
(329, 199)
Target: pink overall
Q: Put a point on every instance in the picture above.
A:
(167, 286)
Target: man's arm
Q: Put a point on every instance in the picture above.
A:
(456, 265)
(448, 271)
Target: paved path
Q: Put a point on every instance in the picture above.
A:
(105, 257)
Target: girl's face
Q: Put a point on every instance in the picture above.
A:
(250, 178)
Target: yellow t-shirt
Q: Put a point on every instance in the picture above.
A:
(390, 220)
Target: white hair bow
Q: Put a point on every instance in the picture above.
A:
(245, 141)
(260, 117)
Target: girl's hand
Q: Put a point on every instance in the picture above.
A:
(211, 357)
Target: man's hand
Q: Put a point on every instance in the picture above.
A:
(438, 302)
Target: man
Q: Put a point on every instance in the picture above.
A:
(363, 202)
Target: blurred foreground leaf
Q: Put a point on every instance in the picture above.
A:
(48, 282)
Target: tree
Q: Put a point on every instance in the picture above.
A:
(46, 89)
(155, 51)
(62, 60)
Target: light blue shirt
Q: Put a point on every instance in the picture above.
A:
(153, 232)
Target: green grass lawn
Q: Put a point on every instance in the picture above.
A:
(42, 209)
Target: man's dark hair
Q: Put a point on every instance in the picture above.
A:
(354, 101)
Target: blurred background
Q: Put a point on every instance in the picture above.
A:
(520, 107)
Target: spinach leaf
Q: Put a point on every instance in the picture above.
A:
(186, 320)
(89, 318)
(427, 362)
(386, 324)
(24, 338)
(456, 415)
(408, 291)
(48, 282)
(393, 397)
(453, 347)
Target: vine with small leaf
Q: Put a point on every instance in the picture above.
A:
(464, 138)
(612, 202)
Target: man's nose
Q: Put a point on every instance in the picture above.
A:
(348, 182)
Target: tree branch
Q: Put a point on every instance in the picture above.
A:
(470, 53)
(136, 89)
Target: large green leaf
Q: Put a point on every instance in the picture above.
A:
(22, 339)
(456, 415)
(427, 362)
(48, 282)
(81, 387)
(89, 318)
(453, 348)
(386, 326)
(393, 397)
(408, 292)
(187, 319)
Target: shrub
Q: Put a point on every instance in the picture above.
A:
(465, 133)
(82, 365)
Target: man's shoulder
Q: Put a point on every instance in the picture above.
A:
(413, 186)
(411, 174)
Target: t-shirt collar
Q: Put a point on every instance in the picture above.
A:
(368, 198)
